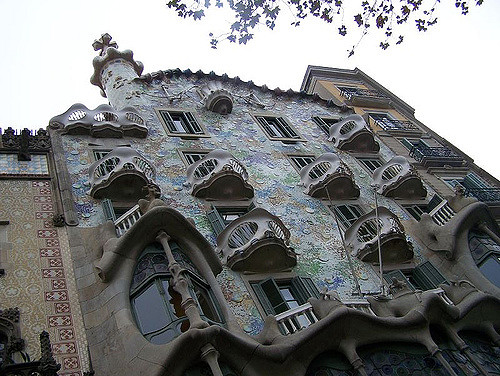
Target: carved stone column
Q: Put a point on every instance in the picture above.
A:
(180, 284)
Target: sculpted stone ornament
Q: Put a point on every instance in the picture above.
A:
(103, 43)
(48, 365)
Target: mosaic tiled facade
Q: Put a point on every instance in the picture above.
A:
(227, 264)
(39, 278)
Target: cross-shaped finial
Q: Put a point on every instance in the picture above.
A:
(103, 43)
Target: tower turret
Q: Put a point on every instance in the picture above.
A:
(114, 70)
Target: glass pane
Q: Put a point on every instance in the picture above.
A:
(491, 269)
(163, 337)
(150, 310)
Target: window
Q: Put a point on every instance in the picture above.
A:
(277, 128)
(411, 143)
(486, 253)
(416, 210)
(220, 217)
(156, 305)
(278, 296)
(347, 214)
(300, 161)
(423, 277)
(112, 211)
(325, 123)
(371, 163)
(193, 156)
(108, 165)
(180, 123)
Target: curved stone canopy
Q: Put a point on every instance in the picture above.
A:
(121, 175)
(398, 179)
(219, 176)
(328, 177)
(362, 238)
(256, 242)
(352, 134)
(102, 122)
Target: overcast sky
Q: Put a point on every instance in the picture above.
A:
(449, 74)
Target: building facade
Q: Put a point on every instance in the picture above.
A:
(208, 226)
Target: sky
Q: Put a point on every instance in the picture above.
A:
(448, 74)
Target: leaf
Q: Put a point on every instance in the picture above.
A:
(358, 19)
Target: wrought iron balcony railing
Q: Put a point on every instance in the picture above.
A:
(362, 237)
(392, 125)
(104, 121)
(219, 176)
(256, 242)
(397, 178)
(484, 194)
(436, 156)
(328, 177)
(360, 97)
(352, 134)
(121, 174)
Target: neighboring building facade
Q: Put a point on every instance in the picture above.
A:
(217, 227)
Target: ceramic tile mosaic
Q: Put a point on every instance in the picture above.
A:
(314, 234)
(10, 165)
(38, 277)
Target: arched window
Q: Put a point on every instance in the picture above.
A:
(486, 253)
(156, 305)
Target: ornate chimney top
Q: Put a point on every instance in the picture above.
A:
(103, 43)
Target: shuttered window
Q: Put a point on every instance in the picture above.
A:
(277, 128)
(423, 277)
(180, 122)
(220, 217)
(279, 296)
(325, 123)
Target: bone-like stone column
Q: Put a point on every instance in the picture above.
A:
(180, 284)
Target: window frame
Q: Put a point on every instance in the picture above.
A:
(292, 159)
(159, 279)
(183, 154)
(185, 113)
(284, 122)
(342, 220)
(216, 218)
(425, 276)
(364, 159)
(322, 122)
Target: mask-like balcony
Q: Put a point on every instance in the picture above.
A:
(352, 134)
(362, 238)
(436, 156)
(219, 176)
(121, 175)
(102, 122)
(328, 177)
(363, 97)
(256, 242)
(398, 179)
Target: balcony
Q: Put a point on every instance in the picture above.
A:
(121, 175)
(219, 176)
(127, 220)
(328, 177)
(296, 319)
(442, 213)
(484, 194)
(256, 242)
(397, 127)
(352, 134)
(398, 179)
(436, 156)
(102, 122)
(363, 97)
(362, 238)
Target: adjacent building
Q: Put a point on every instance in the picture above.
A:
(202, 225)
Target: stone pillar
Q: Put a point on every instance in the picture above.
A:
(180, 284)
